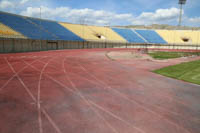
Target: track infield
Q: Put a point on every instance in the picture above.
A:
(189, 71)
(83, 91)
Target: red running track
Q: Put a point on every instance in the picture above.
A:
(82, 91)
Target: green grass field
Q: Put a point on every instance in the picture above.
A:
(189, 72)
(170, 55)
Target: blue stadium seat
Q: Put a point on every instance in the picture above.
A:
(20, 24)
(151, 36)
(56, 30)
(37, 29)
(129, 35)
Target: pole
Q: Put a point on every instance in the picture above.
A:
(41, 26)
(107, 26)
(83, 30)
(106, 35)
(180, 17)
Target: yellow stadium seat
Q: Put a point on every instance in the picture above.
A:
(180, 36)
(94, 33)
(8, 32)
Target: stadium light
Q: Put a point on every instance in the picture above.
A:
(181, 3)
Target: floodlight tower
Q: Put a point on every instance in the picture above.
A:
(181, 3)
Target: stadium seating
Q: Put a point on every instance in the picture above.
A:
(94, 33)
(36, 29)
(80, 30)
(180, 36)
(193, 36)
(15, 26)
(129, 35)
(8, 32)
(107, 32)
(19, 24)
(151, 36)
(55, 29)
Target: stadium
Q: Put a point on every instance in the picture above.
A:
(65, 77)
(25, 34)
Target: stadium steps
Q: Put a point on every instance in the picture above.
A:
(129, 35)
(140, 36)
(151, 36)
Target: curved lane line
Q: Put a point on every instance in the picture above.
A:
(15, 73)
(86, 101)
(35, 100)
(122, 95)
(113, 115)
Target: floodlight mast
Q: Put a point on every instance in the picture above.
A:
(181, 3)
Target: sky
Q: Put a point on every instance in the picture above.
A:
(107, 12)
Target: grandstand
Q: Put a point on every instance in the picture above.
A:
(94, 33)
(6, 32)
(37, 28)
(180, 36)
(129, 35)
(151, 36)
(41, 34)
(57, 31)
(19, 24)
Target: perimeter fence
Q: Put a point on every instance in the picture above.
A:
(14, 45)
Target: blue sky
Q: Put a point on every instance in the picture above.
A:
(107, 12)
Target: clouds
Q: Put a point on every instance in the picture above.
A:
(12, 5)
(101, 17)
(195, 20)
(24, 1)
(6, 4)
(159, 16)
(89, 16)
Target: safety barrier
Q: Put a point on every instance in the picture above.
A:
(8, 45)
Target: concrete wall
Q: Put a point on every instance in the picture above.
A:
(28, 45)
